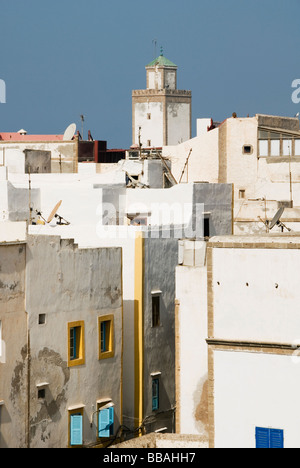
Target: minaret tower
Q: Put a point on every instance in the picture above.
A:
(161, 114)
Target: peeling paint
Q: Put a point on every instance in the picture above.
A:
(113, 294)
(47, 411)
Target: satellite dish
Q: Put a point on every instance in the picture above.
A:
(276, 218)
(54, 211)
(70, 132)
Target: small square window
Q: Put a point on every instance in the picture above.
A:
(41, 394)
(242, 194)
(149, 143)
(149, 116)
(42, 319)
(247, 149)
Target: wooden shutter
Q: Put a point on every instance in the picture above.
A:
(276, 439)
(76, 429)
(262, 438)
(104, 423)
(269, 438)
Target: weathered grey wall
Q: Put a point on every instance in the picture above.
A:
(68, 284)
(218, 201)
(13, 362)
(37, 161)
(161, 258)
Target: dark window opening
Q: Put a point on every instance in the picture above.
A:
(206, 227)
(42, 319)
(155, 311)
(41, 394)
(247, 149)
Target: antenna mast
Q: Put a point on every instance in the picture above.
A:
(155, 45)
(30, 209)
(82, 124)
(291, 182)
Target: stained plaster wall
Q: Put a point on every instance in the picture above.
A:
(12, 155)
(14, 202)
(68, 284)
(161, 258)
(13, 359)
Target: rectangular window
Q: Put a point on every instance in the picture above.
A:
(287, 148)
(206, 227)
(269, 438)
(275, 147)
(155, 311)
(42, 394)
(106, 422)
(297, 147)
(155, 394)
(42, 319)
(76, 428)
(76, 351)
(149, 116)
(264, 148)
(106, 336)
(242, 193)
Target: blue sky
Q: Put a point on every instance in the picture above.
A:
(64, 58)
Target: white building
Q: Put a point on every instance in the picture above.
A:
(259, 155)
(253, 338)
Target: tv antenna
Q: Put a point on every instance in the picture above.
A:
(82, 118)
(275, 221)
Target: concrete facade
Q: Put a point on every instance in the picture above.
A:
(49, 284)
(253, 328)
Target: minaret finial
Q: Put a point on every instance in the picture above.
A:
(161, 51)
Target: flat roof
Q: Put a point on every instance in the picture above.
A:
(264, 238)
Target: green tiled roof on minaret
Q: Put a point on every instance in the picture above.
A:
(161, 60)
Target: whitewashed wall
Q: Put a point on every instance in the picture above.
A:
(255, 390)
(191, 291)
(247, 304)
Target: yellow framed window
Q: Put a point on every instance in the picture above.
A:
(106, 336)
(76, 347)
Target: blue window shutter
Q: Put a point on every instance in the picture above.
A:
(155, 395)
(111, 420)
(262, 438)
(76, 429)
(276, 439)
(104, 423)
